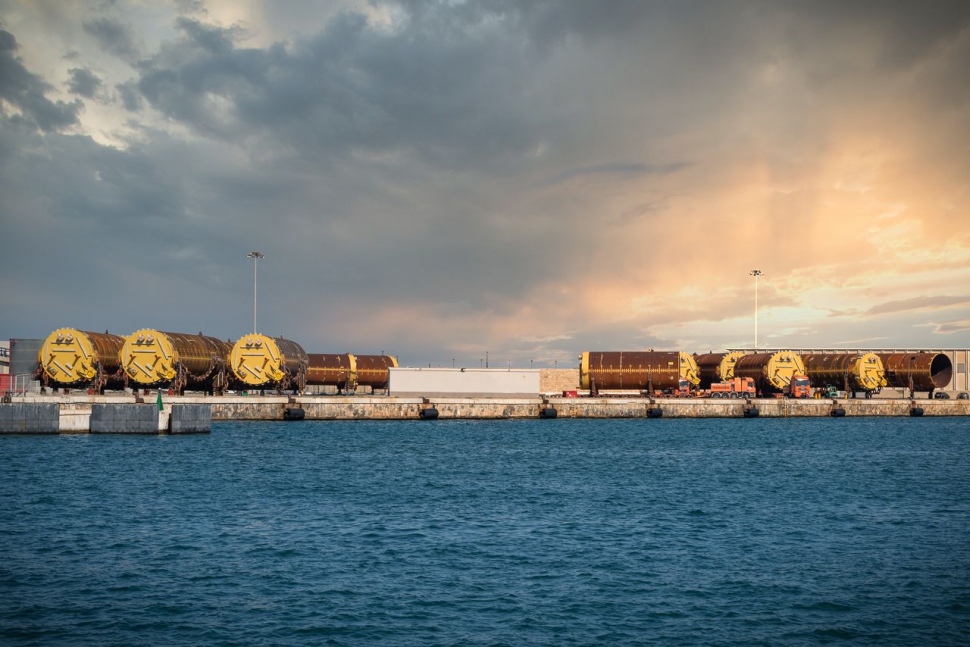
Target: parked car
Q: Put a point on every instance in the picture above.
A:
(963, 395)
(941, 395)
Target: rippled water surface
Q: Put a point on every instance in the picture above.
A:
(546, 532)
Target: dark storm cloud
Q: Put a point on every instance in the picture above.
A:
(110, 227)
(26, 91)
(131, 98)
(905, 36)
(115, 37)
(440, 96)
(83, 82)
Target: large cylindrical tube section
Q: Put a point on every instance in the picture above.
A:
(716, 367)
(917, 371)
(347, 372)
(848, 371)
(152, 357)
(374, 370)
(72, 357)
(258, 360)
(627, 370)
(772, 372)
(330, 370)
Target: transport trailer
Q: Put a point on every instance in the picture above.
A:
(649, 371)
(152, 358)
(917, 371)
(772, 372)
(77, 358)
(716, 367)
(258, 361)
(347, 372)
(849, 372)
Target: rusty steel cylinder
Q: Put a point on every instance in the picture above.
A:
(627, 370)
(848, 371)
(716, 367)
(374, 370)
(153, 357)
(329, 370)
(70, 356)
(917, 371)
(772, 372)
(347, 372)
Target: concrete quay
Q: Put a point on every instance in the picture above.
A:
(60, 413)
(100, 415)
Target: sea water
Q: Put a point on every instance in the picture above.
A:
(544, 532)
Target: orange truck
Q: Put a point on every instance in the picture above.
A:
(738, 387)
(799, 387)
(684, 390)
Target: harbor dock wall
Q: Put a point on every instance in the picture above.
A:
(99, 415)
(49, 414)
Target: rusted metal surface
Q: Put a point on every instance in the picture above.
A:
(639, 370)
(917, 371)
(72, 357)
(152, 357)
(374, 370)
(772, 372)
(716, 367)
(845, 371)
(328, 370)
(347, 372)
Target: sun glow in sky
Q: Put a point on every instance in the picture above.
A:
(438, 180)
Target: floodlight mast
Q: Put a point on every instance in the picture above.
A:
(255, 256)
(756, 274)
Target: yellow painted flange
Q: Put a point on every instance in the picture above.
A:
(256, 360)
(148, 357)
(68, 356)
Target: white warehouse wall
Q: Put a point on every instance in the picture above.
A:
(455, 382)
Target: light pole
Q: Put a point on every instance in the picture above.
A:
(255, 256)
(755, 274)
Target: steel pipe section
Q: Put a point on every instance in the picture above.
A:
(917, 371)
(375, 370)
(640, 370)
(259, 361)
(330, 370)
(152, 357)
(772, 372)
(72, 357)
(347, 372)
(716, 367)
(845, 371)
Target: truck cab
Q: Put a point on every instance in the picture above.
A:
(799, 387)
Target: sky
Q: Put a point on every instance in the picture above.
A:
(526, 180)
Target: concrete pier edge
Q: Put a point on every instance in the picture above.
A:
(53, 414)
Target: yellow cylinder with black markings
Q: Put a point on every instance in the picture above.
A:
(152, 357)
(258, 360)
(69, 356)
